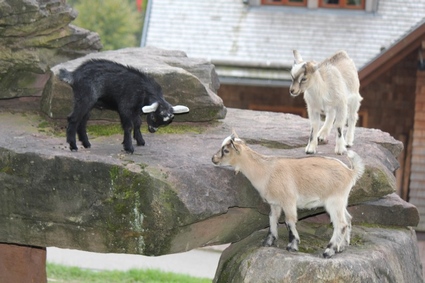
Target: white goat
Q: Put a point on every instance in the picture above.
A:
(332, 88)
(290, 183)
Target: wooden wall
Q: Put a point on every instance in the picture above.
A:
(417, 170)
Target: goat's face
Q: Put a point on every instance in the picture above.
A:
(229, 149)
(301, 77)
(301, 74)
(162, 116)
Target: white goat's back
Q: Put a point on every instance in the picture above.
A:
(347, 69)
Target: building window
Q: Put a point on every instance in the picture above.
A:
(285, 2)
(342, 4)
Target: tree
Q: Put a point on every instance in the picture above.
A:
(117, 22)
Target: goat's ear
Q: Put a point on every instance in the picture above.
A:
(234, 135)
(150, 108)
(180, 109)
(297, 56)
(311, 67)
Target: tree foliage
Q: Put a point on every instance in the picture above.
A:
(118, 23)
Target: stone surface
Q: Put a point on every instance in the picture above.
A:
(35, 35)
(22, 264)
(389, 210)
(184, 81)
(376, 254)
(167, 197)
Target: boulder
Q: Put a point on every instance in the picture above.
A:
(165, 198)
(187, 81)
(390, 210)
(35, 35)
(376, 254)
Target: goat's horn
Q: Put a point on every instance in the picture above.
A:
(180, 109)
(150, 108)
(297, 56)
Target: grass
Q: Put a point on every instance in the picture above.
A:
(115, 128)
(65, 274)
(102, 128)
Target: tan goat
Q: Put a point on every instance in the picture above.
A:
(331, 88)
(290, 183)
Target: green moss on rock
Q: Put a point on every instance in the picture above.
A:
(149, 205)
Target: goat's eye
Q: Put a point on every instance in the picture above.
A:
(303, 80)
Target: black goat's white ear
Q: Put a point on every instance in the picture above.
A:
(150, 108)
(180, 109)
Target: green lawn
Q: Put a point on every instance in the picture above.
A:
(65, 274)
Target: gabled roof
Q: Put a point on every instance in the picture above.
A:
(414, 39)
(256, 42)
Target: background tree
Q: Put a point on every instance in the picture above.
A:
(118, 23)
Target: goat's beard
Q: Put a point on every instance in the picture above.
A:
(152, 129)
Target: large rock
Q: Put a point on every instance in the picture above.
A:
(376, 254)
(35, 35)
(188, 81)
(167, 197)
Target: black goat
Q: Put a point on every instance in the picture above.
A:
(109, 85)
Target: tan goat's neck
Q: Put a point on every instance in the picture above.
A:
(252, 165)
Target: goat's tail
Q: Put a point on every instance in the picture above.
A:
(66, 76)
(356, 164)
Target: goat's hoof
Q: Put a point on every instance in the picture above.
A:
(142, 143)
(328, 253)
(340, 151)
(309, 152)
(73, 147)
(87, 145)
(291, 249)
(269, 241)
(325, 255)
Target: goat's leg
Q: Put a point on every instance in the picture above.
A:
(137, 135)
(274, 215)
(294, 238)
(82, 131)
(327, 126)
(81, 109)
(352, 117)
(314, 122)
(77, 120)
(127, 126)
(340, 119)
(71, 131)
(337, 213)
(348, 234)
